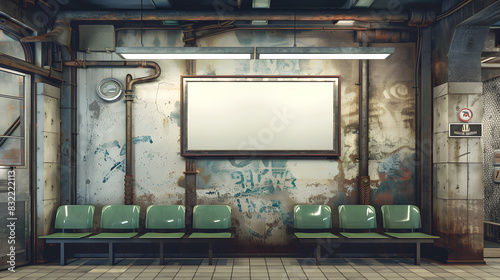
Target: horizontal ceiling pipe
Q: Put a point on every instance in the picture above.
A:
(62, 32)
(385, 36)
(26, 67)
(66, 17)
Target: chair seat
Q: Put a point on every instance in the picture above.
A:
(115, 235)
(162, 235)
(362, 235)
(210, 235)
(68, 235)
(410, 235)
(315, 235)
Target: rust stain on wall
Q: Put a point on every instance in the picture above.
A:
(181, 182)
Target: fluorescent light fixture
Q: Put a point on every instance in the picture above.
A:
(325, 53)
(364, 3)
(138, 53)
(154, 56)
(261, 4)
(147, 53)
(322, 56)
(345, 23)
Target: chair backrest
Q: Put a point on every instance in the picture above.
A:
(166, 217)
(120, 217)
(75, 217)
(357, 217)
(212, 217)
(312, 217)
(401, 217)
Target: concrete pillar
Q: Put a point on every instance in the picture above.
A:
(48, 163)
(458, 167)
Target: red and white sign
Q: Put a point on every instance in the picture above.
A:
(465, 114)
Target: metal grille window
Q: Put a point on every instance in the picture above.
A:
(13, 86)
(12, 89)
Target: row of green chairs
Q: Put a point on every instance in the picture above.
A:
(121, 222)
(360, 217)
(357, 222)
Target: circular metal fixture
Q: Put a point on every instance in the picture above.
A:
(110, 89)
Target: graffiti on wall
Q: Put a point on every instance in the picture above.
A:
(117, 163)
(396, 184)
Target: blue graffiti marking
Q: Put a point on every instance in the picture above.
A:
(118, 164)
(106, 146)
(255, 234)
(239, 205)
(136, 140)
(267, 182)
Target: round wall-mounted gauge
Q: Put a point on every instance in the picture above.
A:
(110, 89)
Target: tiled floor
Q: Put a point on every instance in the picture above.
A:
(256, 268)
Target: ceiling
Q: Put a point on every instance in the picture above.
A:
(390, 5)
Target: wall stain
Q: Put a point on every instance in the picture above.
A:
(317, 199)
(397, 180)
(181, 182)
(176, 114)
(95, 108)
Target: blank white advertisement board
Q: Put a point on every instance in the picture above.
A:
(260, 116)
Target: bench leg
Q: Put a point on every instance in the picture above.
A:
(63, 257)
(417, 254)
(318, 253)
(162, 258)
(111, 254)
(210, 252)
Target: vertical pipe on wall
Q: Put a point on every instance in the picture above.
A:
(190, 172)
(425, 141)
(129, 177)
(68, 134)
(364, 179)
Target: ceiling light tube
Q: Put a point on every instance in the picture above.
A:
(325, 53)
(147, 53)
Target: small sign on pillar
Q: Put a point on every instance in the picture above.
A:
(496, 170)
(496, 175)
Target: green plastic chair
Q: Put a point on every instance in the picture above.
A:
(358, 217)
(119, 218)
(315, 219)
(216, 218)
(211, 222)
(403, 218)
(73, 217)
(165, 217)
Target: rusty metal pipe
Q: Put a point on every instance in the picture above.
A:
(62, 31)
(26, 67)
(66, 17)
(363, 119)
(384, 36)
(129, 97)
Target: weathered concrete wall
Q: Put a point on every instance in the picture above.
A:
(261, 192)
